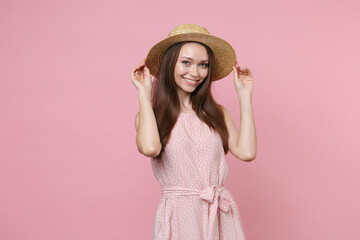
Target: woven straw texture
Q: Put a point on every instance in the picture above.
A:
(224, 54)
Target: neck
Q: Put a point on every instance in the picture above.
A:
(184, 98)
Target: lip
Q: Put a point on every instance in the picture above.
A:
(190, 83)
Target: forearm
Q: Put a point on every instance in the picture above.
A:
(247, 143)
(147, 138)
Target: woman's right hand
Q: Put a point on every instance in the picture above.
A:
(147, 136)
(140, 76)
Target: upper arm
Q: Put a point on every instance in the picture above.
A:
(233, 132)
(145, 144)
(137, 121)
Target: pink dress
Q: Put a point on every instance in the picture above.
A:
(194, 203)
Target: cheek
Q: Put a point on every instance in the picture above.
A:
(181, 69)
(204, 73)
(177, 73)
(177, 70)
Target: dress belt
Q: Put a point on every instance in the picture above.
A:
(216, 196)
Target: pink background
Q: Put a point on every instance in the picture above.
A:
(69, 166)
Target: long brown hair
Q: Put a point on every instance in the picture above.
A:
(166, 103)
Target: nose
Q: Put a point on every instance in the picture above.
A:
(194, 71)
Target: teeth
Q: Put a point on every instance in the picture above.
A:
(190, 80)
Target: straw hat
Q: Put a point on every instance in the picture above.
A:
(224, 54)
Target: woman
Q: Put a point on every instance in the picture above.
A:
(187, 134)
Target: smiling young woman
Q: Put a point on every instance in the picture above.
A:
(191, 67)
(174, 94)
(187, 134)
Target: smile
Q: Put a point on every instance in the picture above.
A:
(191, 82)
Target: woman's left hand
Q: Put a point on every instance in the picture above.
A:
(243, 79)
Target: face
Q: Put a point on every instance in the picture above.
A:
(192, 67)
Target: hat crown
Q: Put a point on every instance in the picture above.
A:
(188, 28)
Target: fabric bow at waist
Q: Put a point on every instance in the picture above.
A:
(216, 196)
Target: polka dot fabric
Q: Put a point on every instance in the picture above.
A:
(194, 203)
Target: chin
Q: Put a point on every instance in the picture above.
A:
(187, 89)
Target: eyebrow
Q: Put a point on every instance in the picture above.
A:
(206, 60)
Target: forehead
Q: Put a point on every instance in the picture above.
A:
(195, 51)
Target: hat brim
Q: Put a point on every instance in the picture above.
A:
(224, 54)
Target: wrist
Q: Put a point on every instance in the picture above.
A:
(245, 100)
(144, 95)
(244, 96)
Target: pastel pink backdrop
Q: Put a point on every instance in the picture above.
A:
(69, 167)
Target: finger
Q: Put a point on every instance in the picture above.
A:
(137, 74)
(137, 68)
(147, 71)
(237, 68)
(240, 71)
(244, 72)
(133, 72)
(140, 69)
(247, 71)
(236, 74)
(134, 76)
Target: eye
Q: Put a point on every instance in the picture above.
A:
(204, 65)
(186, 62)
